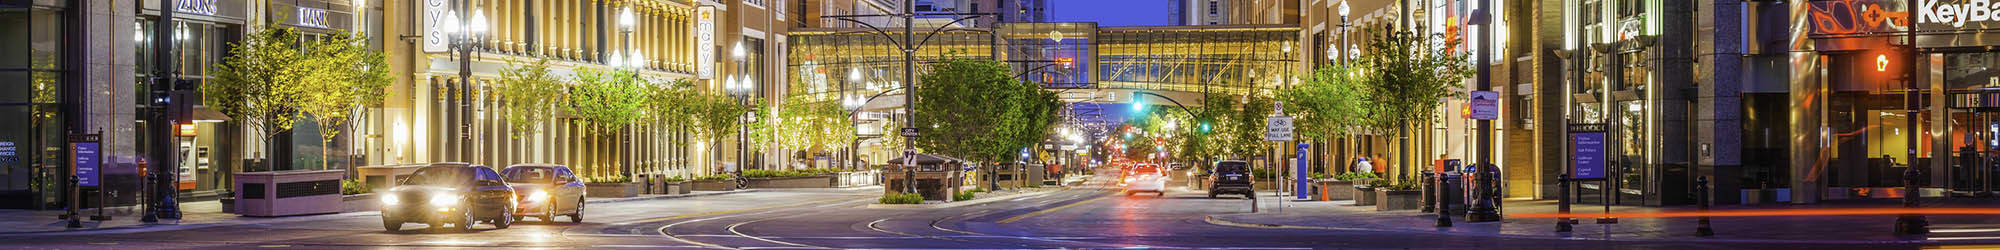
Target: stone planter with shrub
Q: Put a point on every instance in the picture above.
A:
(1406, 196)
(612, 190)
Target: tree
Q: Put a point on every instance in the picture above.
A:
(715, 116)
(1330, 104)
(1246, 132)
(1409, 79)
(811, 125)
(260, 83)
(975, 110)
(530, 93)
(342, 74)
(605, 101)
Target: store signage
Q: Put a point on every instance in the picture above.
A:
(310, 17)
(435, 40)
(1842, 17)
(704, 44)
(1957, 13)
(1586, 145)
(204, 7)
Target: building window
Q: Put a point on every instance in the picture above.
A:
(1211, 9)
(756, 3)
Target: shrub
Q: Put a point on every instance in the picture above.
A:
(1378, 183)
(675, 179)
(1263, 173)
(718, 177)
(907, 198)
(1350, 176)
(977, 190)
(353, 187)
(763, 173)
(1405, 186)
(608, 179)
(965, 196)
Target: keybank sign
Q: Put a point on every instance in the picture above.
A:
(1957, 13)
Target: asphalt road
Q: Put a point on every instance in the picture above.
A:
(1090, 216)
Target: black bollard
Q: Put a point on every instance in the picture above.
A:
(71, 216)
(1701, 192)
(1911, 223)
(1430, 192)
(1443, 208)
(1562, 203)
(152, 210)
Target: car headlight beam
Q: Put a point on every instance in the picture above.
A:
(444, 200)
(390, 200)
(538, 196)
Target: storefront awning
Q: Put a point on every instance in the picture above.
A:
(203, 114)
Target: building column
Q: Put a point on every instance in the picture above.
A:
(1807, 112)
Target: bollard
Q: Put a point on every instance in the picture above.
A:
(1443, 208)
(1484, 207)
(1430, 192)
(1701, 194)
(70, 215)
(1562, 203)
(1911, 223)
(152, 210)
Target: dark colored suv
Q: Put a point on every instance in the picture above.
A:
(457, 193)
(1231, 177)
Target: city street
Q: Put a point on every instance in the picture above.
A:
(1089, 216)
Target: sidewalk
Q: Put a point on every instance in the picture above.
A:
(201, 214)
(1854, 229)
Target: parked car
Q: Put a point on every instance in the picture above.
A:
(1146, 179)
(546, 191)
(457, 193)
(1231, 177)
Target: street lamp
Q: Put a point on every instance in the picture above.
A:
(468, 37)
(1343, 33)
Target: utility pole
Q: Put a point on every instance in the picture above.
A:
(909, 88)
(160, 148)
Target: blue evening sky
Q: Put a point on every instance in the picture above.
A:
(1110, 12)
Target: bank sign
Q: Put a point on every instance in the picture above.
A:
(1938, 14)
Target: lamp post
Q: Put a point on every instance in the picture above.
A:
(1343, 34)
(741, 89)
(468, 38)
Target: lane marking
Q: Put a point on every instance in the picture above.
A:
(663, 229)
(1050, 210)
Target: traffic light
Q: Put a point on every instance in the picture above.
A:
(1138, 105)
(1204, 127)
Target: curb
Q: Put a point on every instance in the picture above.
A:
(962, 203)
(666, 197)
(1212, 220)
(170, 227)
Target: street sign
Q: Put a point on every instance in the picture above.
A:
(909, 132)
(1279, 128)
(86, 155)
(1485, 105)
(1586, 151)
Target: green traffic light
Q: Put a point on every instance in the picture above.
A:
(1204, 127)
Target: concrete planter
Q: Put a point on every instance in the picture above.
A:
(793, 182)
(1364, 196)
(1398, 199)
(287, 193)
(611, 190)
(718, 185)
(1338, 190)
(680, 187)
(1263, 184)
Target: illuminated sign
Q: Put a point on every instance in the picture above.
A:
(704, 42)
(1956, 14)
(204, 7)
(310, 17)
(435, 40)
(1858, 16)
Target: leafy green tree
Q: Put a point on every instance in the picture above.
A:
(1330, 104)
(974, 109)
(605, 101)
(715, 117)
(1408, 81)
(812, 125)
(260, 83)
(343, 75)
(1246, 132)
(530, 93)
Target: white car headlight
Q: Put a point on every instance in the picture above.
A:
(538, 196)
(444, 200)
(390, 199)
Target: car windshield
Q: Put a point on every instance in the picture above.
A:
(447, 176)
(529, 174)
(1229, 167)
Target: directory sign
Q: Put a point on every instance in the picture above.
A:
(1586, 154)
(86, 162)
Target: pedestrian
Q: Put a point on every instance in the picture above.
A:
(1362, 165)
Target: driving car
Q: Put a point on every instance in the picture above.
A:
(546, 191)
(457, 193)
(1146, 179)
(1231, 177)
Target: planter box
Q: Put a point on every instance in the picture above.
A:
(1398, 199)
(286, 193)
(1263, 184)
(1364, 196)
(611, 190)
(1338, 190)
(722, 185)
(682, 187)
(793, 182)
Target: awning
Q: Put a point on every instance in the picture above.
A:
(203, 114)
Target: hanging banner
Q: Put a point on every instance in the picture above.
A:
(435, 40)
(704, 42)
